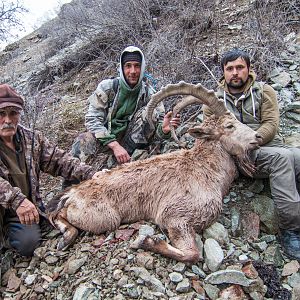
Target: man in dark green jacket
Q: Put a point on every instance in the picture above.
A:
(116, 115)
(255, 104)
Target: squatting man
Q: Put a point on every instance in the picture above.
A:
(255, 104)
(115, 120)
(23, 154)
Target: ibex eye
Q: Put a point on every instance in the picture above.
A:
(230, 126)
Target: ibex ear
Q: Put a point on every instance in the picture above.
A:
(206, 132)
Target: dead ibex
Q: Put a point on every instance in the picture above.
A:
(181, 191)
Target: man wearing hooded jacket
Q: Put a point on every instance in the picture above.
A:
(115, 119)
(255, 104)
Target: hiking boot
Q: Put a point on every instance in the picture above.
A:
(290, 241)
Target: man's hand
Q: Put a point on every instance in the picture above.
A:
(169, 120)
(27, 213)
(120, 153)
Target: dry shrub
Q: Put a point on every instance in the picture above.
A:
(176, 36)
(269, 23)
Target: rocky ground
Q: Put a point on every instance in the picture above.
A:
(242, 258)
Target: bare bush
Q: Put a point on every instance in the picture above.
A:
(269, 23)
(10, 18)
(167, 33)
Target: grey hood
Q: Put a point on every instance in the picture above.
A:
(143, 65)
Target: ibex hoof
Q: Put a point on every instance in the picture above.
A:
(138, 242)
(61, 245)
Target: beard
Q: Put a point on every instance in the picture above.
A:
(238, 84)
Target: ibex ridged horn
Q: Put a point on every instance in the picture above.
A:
(201, 96)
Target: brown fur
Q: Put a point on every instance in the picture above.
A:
(181, 191)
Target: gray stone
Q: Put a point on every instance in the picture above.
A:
(294, 106)
(276, 86)
(275, 72)
(30, 279)
(211, 291)
(146, 230)
(196, 270)
(228, 276)
(155, 284)
(264, 207)
(290, 268)
(296, 293)
(123, 281)
(51, 260)
(261, 246)
(83, 292)
(213, 254)
(175, 277)
(282, 78)
(243, 258)
(273, 256)
(268, 238)
(217, 232)
(293, 67)
(293, 116)
(183, 286)
(235, 222)
(179, 267)
(287, 96)
(296, 86)
(294, 280)
(200, 246)
(74, 265)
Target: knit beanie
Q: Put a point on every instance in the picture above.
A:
(131, 56)
(9, 97)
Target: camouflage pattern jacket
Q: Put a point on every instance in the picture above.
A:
(40, 155)
(103, 104)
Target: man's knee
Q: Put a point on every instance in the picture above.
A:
(24, 238)
(84, 145)
(278, 157)
(289, 215)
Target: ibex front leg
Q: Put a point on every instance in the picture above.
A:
(69, 232)
(184, 247)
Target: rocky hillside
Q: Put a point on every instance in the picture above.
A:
(59, 65)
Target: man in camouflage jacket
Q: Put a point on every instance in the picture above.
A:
(116, 115)
(23, 154)
(255, 104)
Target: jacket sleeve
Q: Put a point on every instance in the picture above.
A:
(57, 162)
(10, 197)
(97, 114)
(269, 115)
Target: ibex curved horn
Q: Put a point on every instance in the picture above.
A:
(200, 96)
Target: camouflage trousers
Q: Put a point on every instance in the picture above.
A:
(137, 136)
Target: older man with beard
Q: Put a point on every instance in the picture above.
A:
(255, 104)
(23, 154)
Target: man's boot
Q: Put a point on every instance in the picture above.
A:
(290, 241)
